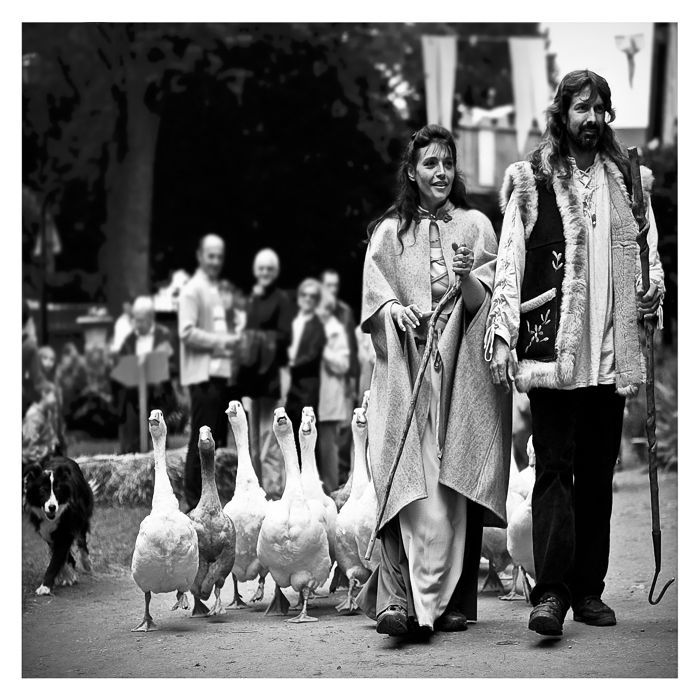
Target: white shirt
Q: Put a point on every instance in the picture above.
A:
(144, 343)
(297, 329)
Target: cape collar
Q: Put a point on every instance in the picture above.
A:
(442, 214)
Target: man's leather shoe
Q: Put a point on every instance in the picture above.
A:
(452, 621)
(593, 611)
(547, 617)
(393, 621)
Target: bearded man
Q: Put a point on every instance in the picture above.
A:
(563, 325)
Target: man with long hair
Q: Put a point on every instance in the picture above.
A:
(563, 326)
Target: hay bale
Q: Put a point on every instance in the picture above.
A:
(128, 479)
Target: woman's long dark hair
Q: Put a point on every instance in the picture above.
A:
(405, 206)
(553, 151)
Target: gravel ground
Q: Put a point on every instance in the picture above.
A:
(83, 631)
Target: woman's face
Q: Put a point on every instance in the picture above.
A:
(308, 299)
(434, 174)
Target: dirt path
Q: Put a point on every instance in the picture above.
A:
(84, 631)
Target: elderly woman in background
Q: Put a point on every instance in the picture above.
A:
(305, 353)
(333, 406)
(263, 350)
(453, 472)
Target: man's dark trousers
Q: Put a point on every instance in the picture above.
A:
(576, 435)
(208, 401)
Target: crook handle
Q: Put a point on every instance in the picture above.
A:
(663, 590)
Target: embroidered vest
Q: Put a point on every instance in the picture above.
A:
(541, 290)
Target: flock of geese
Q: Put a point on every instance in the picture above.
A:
(297, 539)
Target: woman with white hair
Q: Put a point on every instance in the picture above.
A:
(263, 350)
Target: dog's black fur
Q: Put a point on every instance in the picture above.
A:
(62, 518)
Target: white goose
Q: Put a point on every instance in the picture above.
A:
(310, 478)
(356, 519)
(519, 532)
(166, 553)
(293, 543)
(247, 510)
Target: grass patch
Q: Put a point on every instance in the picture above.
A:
(111, 544)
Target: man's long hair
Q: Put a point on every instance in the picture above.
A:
(407, 200)
(553, 151)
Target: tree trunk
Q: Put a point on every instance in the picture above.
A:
(125, 255)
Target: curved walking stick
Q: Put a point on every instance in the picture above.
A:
(639, 215)
(452, 291)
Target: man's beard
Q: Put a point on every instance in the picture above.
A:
(586, 139)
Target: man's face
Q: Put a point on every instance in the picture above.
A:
(265, 272)
(585, 120)
(143, 320)
(331, 283)
(211, 258)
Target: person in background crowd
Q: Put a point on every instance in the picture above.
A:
(146, 336)
(31, 368)
(47, 360)
(333, 407)
(122, 327)
(366, 357)
(263, 351)
(305, 352)
(71, 378)
(342, 311)
(563, 326)
(41, 432)
(206, 349)
(235, 310)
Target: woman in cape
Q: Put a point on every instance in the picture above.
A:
(453, 474)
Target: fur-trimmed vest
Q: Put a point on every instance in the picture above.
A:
(554, 290)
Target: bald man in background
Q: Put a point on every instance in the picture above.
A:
(206, 348)
(146, 336)
(268, 334)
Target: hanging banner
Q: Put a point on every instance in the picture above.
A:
(622, 53)
(531, 92)
(439, 69)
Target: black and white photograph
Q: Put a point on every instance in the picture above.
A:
(349, 348)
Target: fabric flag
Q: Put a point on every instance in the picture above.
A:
(530, 89)
(439, 68)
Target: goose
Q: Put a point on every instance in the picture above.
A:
(166, 553)
(215, 534)
(356, 519)
(519, 531)
(310, 479)
(494, 545)
(293, 544)
(246, 509)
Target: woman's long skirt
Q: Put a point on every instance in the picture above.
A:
(424, 549)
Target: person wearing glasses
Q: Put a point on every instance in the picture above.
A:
(305, 352)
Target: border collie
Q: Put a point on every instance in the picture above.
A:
(59, 503)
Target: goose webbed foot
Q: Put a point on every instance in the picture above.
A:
(147, 624)
(349, 606)
(493, 583)
(513, 593)
(303, 616)
(279, 605)
(237, 602)
(181, 601)
(199, 610)
(218, 608)
(260, 592)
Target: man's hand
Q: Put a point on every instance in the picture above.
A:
(463, 261)
(503, 365)
(648, 304)
(403, 315)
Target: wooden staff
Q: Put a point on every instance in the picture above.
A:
(638, 210)
(452, 291)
